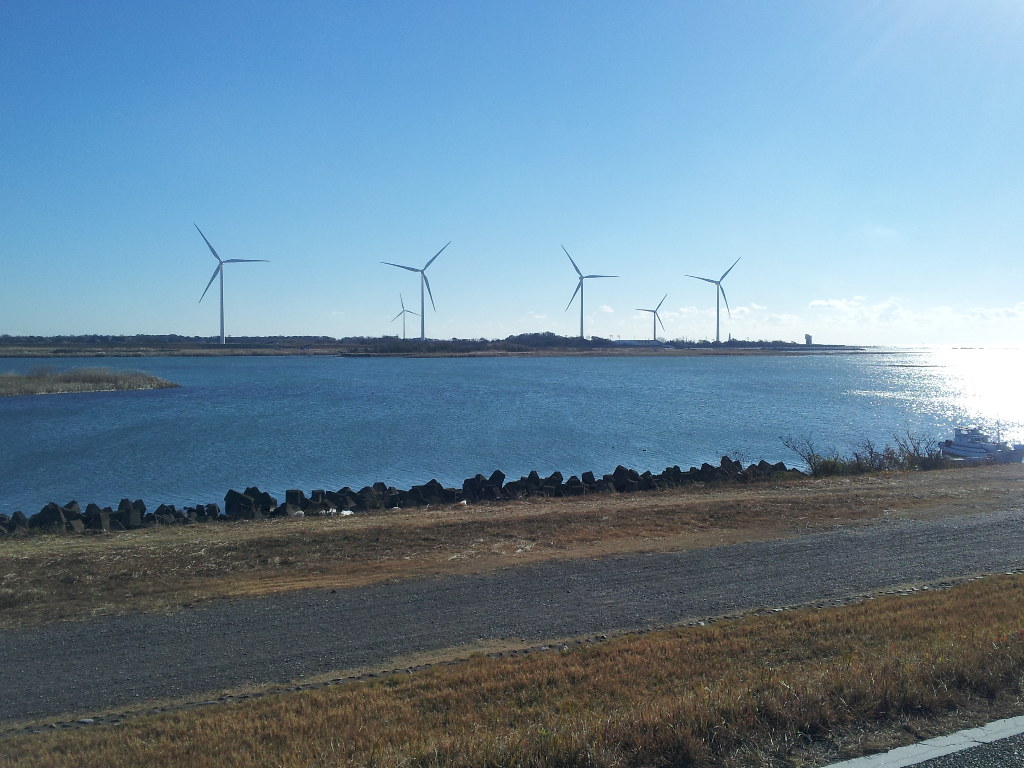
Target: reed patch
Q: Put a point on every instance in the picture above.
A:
(47, 380)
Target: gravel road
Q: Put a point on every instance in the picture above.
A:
(123, 662)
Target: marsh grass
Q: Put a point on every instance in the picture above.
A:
(47, 380)
(754, 691)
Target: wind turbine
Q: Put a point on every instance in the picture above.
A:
(402, 314)
(657, 317)
(579, 289)
(719, 290)
(424, 283)
(219, 271)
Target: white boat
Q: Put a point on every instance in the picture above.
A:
(971, 444)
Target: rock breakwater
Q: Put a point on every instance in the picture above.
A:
(254, 504)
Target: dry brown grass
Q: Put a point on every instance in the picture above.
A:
(763, 690)
(47, 380)
(172, 567)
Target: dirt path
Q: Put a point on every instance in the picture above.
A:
(123, 662)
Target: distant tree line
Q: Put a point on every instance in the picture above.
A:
(523, 342)
(379, 344)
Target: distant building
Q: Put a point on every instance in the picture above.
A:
(807, 339)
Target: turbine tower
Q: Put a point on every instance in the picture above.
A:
(657, 317)
(402, 315)
(579, 289)
(424, 283)
(718, 290)
(219, 271)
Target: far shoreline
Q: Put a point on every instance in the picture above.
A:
(531, 345)
(249, 352)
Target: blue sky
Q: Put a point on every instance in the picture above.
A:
(865, 160)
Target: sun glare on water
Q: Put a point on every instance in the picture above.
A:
(983, 387)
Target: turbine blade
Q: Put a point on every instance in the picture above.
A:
(660, 303)
(586, 277)
(705, 279)
(436, 255)
(729, 269)
(207, 242)
(573, 265)
(402, 300)
(400, 266)
(397, 316)
(726, 300)
(658, 318)
(578, 286)
(233, 261)
(215, 271)
(423, 276)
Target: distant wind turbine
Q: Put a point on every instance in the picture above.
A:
(424, 283)
(657, 317)
(579, 289)
(219, 271)
(402, 314)
(718, 290)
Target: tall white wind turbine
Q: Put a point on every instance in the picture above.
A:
(657, 317)
(424, 283)
(718, 290)
(402, 314)
(219, 271)
(579, 289)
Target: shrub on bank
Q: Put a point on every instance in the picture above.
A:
(910, 452)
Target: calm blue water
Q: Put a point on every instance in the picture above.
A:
(297, 422)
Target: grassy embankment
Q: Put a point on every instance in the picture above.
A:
(46, 380)
(795, 688)
(763, 690)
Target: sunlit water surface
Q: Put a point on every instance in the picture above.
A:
(297, 422)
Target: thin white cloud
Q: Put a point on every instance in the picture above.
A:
(856, 309)
(891, 321)
(879, 232)
(695, 311)
(987, 314)
(781, 320)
